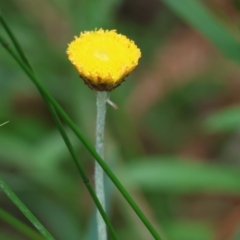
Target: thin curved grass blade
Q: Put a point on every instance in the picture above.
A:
(26, 212)
(17, 224)
(198, 16)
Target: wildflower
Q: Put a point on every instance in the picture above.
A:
(103, 58)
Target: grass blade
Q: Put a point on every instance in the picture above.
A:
(199, 17)
(14, 40)
(179, 176)
(26, 212)
(13, 221)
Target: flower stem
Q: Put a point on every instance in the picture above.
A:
(99, 174)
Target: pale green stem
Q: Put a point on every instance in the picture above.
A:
(4, 123)
(99, 174)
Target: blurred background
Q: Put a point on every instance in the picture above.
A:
(174, 142)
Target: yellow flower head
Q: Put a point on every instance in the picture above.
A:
(103, 58)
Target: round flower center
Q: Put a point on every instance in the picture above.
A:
(101, 55)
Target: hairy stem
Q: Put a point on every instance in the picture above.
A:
(99, 174)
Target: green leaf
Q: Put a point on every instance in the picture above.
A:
(223, 121)
(200, 18)
(5, 216)
(176, 175)
(61, 220)
(26, 212)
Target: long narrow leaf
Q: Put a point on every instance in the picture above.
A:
(13, 221)
(198, 16)
(8, 191)
(14, 40)
(179, 175)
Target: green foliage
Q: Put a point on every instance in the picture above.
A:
(19, 225)
(199, 17)
(34, 159)
(172, 175)
(13, 197)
